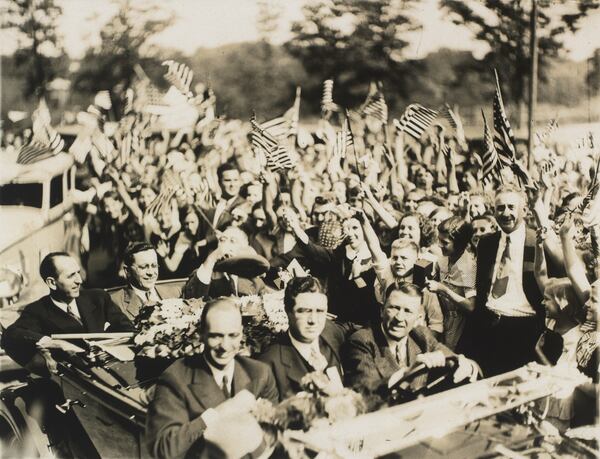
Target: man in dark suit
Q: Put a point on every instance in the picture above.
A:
(141, 268)
(198, 392)
(378, 356)
(67, 309)
(312, 342)
(220, 216)
(509, 316)
(205, 283)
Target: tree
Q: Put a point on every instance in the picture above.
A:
(124, 45)
(355, 42)
(244, 82)
(593, 76)
(39, 50)
(504, 26)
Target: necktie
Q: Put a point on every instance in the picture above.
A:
(225, 387)
(72, 311)
(401, 357)
(148, 297)
(503, 272)
(317, 360)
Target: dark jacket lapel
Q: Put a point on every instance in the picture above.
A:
(203, 385)
(291, 359)
(241, 379)
(131, 302)
(385, 361)
(59, 319)
(92, 320)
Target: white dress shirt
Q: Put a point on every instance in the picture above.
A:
(218, 374)
(69, 308)
(399, 349)
(307, 351)
(143, 294)
(514, 302)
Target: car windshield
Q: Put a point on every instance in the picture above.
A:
(21, 194)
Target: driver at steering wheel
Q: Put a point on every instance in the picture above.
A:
(379, 356)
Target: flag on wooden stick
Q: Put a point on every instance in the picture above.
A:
(504, 139)
(278, 158)
(375, 105)
(489, 159)
(415, 120)
(33, 152)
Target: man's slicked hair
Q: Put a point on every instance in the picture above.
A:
(408, 288)
(133, 248)
(48, 267)
(298, 285)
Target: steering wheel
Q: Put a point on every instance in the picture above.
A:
(401, 391)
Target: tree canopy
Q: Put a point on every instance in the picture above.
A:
(505, 26)
(124, 44)
(39, 49)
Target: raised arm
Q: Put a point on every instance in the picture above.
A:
(573, 264)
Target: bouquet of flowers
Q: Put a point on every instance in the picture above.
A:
(320, 401)
(265, 318)
(169, 329)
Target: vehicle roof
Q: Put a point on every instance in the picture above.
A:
(38, 172)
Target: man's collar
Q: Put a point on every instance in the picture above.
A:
(62, 304)
(517, 234)
(219, 373)
(141, 293)
(303, 348)
(392, 342)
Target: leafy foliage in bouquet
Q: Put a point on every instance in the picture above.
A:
(264, 319)
(320, 401)
(169, 328)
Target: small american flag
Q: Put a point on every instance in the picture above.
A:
(504, 139)
(327, 103)
(34, 152)
(375, 105)
(541, 137)
(180, 76)
(489, 158)
(343, 140)
(161, 201)
(415, 120)
(286, 125)
(278, 157)
(456, 124)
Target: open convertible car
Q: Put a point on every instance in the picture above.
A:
(503, 416)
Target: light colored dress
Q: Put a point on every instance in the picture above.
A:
(460, 277)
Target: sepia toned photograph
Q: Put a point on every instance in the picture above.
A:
(299, 229)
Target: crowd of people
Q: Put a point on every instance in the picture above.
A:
(414, 256)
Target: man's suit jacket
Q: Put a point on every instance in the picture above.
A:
(369, 362)
(487, 249)
(43, 318)
(289, 367)
(478, 321)
(174, 428)
(223, 286)
(131, 304)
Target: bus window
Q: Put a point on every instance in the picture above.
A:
(56, 190)
(22, 194)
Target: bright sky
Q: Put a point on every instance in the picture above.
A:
(210, 23)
